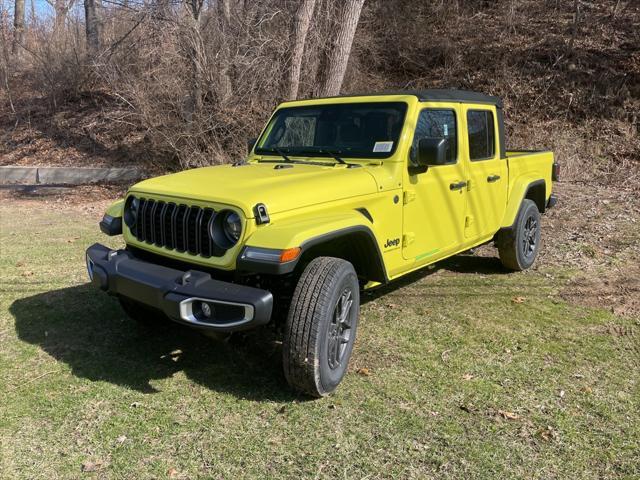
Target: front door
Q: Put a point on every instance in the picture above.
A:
(435, 199)
(487, 174)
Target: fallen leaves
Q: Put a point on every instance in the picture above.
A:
(467, 377)
(91, 466)
(136, 404)
(508, 415)
(518, 300)
(547, 434)
(365, 372)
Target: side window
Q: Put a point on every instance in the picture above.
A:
(437, 124)
(482, 139)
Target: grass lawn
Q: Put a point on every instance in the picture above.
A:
(461, 371)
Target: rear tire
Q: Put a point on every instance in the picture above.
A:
(518, 246)
(321, 326)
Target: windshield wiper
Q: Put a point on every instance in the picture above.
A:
(334, 153)
(282, 154)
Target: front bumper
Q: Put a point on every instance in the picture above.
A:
(179, 294)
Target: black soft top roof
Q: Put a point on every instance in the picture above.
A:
(440, 94)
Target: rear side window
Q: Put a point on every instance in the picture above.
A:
(482, 139)
(434, 123)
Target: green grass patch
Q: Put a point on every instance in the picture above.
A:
(460, 371)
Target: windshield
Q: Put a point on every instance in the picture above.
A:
(367, 130)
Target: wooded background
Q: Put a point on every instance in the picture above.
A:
(173, 84)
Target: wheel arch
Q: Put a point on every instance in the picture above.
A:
(356, 244)
(528, 188)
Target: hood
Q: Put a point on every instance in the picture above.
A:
(279, 188)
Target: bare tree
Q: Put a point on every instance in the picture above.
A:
(196, 54)
(61, 7)
(18, 24)
(575, 26)
(332, 76)
(93, 24)
(301, 27)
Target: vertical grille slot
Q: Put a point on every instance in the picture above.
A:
(176, 227)
(148, 221)
(192, 230)
(156, 223)
(167, 226)
(206, 244)
(181, 217)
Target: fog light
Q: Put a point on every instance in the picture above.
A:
(89, 267)
(206, 310)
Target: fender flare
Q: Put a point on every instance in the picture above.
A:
(519, 192)
(349, 225)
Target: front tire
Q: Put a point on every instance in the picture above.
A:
(518, 247)
(321, 326)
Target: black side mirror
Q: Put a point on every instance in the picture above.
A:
(432, 151)
(250, 144)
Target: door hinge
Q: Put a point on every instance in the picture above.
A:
(407, 239)
(470, 184)
(468, 221)
(408, 196)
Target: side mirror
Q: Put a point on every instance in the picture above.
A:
(432, 151)
(250, 144)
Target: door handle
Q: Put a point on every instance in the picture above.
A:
(457, 185)
(493, 178)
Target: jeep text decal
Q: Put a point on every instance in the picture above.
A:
(392, 242)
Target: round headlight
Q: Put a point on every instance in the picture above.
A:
(225, 228)
(131, 212)
(232, 226)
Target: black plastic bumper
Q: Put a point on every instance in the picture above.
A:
(177, 293)
(553, 200)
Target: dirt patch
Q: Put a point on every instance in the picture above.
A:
(74, 197)
(616, 289)
(90, 131)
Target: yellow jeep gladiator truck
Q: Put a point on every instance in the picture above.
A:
(337, 195)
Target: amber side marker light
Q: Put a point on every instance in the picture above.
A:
(289, 254)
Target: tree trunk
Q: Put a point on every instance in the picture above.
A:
(575, 26)
(61, 8)
(301, 27)
(18, 24)
(339, 56)
(225, 85)
(93, 24)
(196, 53)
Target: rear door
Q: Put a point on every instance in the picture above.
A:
(434, 200)
(486, 173)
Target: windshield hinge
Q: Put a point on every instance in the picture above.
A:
(262, 216)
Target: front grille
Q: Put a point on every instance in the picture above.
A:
(176, 227)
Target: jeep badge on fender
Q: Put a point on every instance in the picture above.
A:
(291, 236)
(392, 243)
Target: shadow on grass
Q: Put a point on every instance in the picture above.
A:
(88, 331)
(463, 263)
